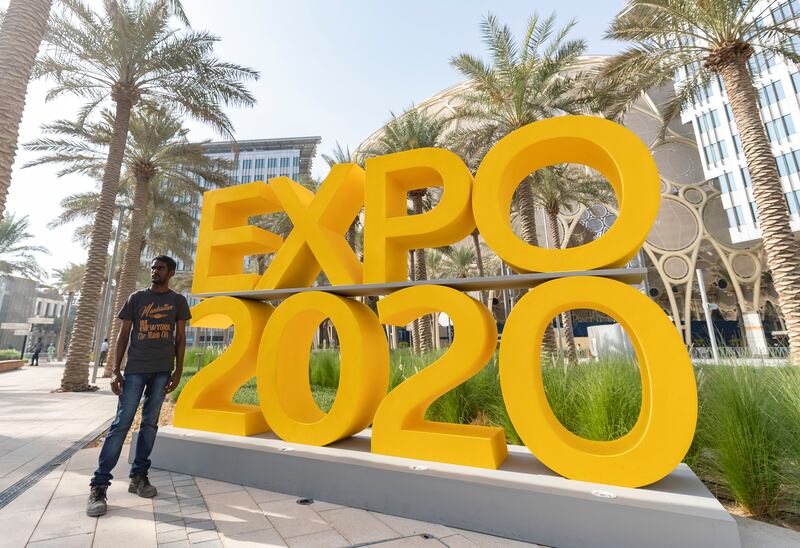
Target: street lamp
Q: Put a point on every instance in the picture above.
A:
(102, 313)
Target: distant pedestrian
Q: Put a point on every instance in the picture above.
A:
(154, 321)
(103, 352)
(37, 349)
(51, 351)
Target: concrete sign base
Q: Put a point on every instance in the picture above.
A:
(523, 500)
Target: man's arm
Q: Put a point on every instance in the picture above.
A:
(180, 350)
(122, 346)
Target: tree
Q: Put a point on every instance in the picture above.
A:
(553, 188)
(130, 54)
(411, 130)
(68, 280)
(524, 83)
(16, 254)
(157, 154)
(341, 155)
(23, 27)
(704, 41)
(459, 261)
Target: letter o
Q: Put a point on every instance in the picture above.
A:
(284, 390)
(613, 150)
(664, 430)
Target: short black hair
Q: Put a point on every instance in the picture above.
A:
(169, 261)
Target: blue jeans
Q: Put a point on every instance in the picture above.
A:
(153, 385)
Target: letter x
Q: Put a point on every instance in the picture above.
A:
(317, 240)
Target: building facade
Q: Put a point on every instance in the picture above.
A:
(711, 118)
(17, 304)
(258, 160)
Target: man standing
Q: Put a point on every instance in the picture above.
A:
(103, 352)
(37, 349)
(154, 321)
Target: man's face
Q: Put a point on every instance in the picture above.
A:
(159, 273)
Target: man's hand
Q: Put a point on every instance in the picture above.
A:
(174, 381)
(117, 383)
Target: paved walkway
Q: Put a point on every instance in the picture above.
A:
(190, 511)
(37, 425)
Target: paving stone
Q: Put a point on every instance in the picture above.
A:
(359, 526)
(64, 517)
(488, 541)
(407, 527)
(203, 536)
(209, 544)
(213, 487)
(172, 536)
(73, 541)
(17, 527)
(120, 526)
(261, 495)
(163, 527)
(252, 539)
(322, 539)
(168, 517)
(415, 541)
(176, 544)
(458, 541)
(322, 506)
(200, 525)
(236, 512)
(197, 517)
(292, 519)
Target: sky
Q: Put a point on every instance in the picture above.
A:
(335, 69)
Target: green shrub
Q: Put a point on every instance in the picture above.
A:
(747, 439)
(9, 354)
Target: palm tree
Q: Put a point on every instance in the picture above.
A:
(553, 188)
(16, 255)
(703, 41)
(158, 154)
(524, 83)
(412, 129)
(23, 27)
(68, 280)
(21, 31)
(341, 155)
(459, 261)
(130, 54)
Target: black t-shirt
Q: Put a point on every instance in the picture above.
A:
(152, 342)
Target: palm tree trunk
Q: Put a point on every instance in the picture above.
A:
(108, 366)
(415, 324)
(420, 273)
(76, 370)
(782, 250)
(479, 260)
(62, 334)
(133, 253)
(527, 217)
(20, 37)
(566, 317)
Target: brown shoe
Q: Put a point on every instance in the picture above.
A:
(141, 486)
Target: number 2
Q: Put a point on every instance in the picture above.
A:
(205, 402)
(399, 427)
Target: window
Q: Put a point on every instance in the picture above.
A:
(703, 93)
(260, 177)
(284, 162)
(786, 11)
(246, 178)
(726, 182)
(272, 162)
(796, 81)
(715, 152)
(780, 128)
(760, 62)
(793, 201)
(729, 112)
(708, 121)
(746, 178)
(284, 173)
(260, 163)
(754, 211)
(787, 163)
(770, 94)
(735, 216)
(247, 164)
(737, 145)
(296, 161)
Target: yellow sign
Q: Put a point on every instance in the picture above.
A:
(273, 344)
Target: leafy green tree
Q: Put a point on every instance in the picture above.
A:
(701, 41)
(130, 54)
(68, 280)
(157, 154)
(524, 82)
(411, 130)
(558, 186)
(17, 256)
